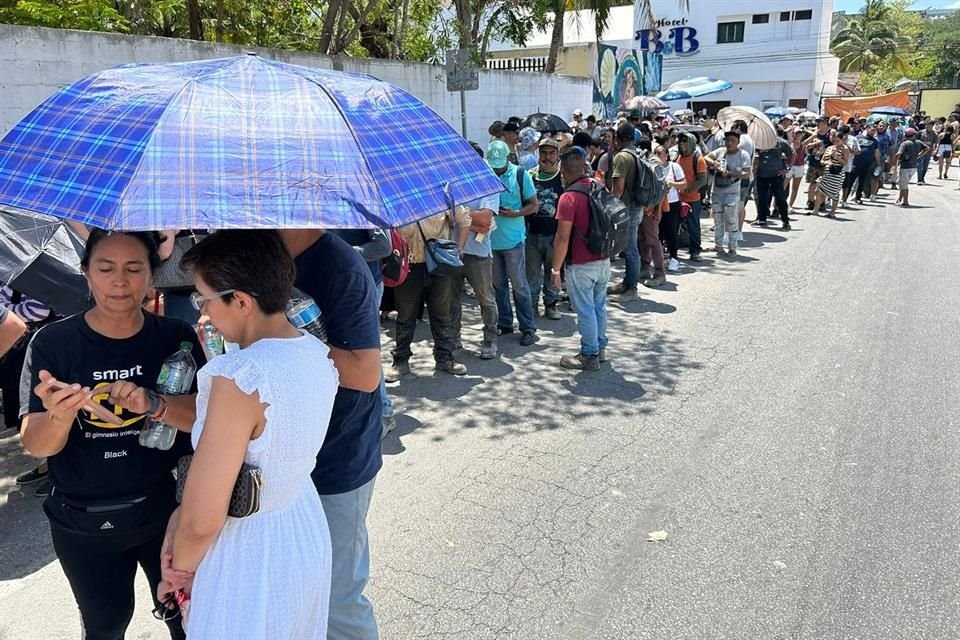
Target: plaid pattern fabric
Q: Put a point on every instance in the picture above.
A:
(237, 143)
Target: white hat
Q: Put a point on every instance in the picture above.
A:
(577, 112)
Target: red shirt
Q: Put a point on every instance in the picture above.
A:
(575, 207)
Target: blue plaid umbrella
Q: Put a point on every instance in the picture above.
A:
(690, 88)
(237, 143)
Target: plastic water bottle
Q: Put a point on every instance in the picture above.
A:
(176, 378)
(212, 341)
(303, 313)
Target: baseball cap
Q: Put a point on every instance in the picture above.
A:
(911, 131)
(787, 116)
(511, 126)
(528, 137)
(549, 142)
(577, 112)
(497, 153)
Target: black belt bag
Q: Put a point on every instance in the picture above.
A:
(109, 517)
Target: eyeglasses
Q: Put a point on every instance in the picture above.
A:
(198, 300)
(168, 609)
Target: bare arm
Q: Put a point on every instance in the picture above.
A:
(11, 330)
(617, 186)
(233, 418)
(359, 370)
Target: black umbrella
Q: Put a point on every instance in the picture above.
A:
(546, 123)
(40, 257)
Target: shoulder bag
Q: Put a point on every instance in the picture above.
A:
(245, 499)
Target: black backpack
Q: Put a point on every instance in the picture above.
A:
(609, 227)
(650, 184)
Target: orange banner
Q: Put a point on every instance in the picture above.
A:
(860, 106)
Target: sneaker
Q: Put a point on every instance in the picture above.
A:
(809, 205)
(551, 312)
(627, 296)
(673, 266)
(397, 370)
(603, 354)
(503, 331)
(645, 275)
(528, 338)
(858, 201)
(29, 477)
(732, 252)
(488, 350)
(785, 227)
(452, 366)
(695, 257)
(873, 198)
(580, 362)
(389, 424)
(719, 251)
(615, 289)
(43, 489)
(655, 283)
(760, 223)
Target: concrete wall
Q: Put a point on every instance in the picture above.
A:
(36, 62)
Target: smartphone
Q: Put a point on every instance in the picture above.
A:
(99, 411)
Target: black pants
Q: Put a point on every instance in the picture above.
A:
(864, 177)
(670, 228)
(766, 187)
(407, 298)
(101, 572)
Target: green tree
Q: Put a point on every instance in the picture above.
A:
(87, 15)
(874, 37)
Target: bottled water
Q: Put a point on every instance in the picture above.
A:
(212, 341)
(176, 378)
(304, 313)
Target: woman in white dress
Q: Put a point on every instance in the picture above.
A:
(268, 404)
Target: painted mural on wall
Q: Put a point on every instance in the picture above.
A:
(620, 74)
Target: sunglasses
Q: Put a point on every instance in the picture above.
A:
(168, 609)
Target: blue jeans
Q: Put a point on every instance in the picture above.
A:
(631, 255)
(510, 270)
(693, 227)
(539, 259)
(922, 167)
(384, 398)
(587, 286)
(351, 614)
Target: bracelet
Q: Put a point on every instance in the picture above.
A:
(555, 272)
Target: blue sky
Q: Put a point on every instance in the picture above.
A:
(852, 6)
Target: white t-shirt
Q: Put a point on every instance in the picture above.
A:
(747, 144)
(674, 173)
(854, 145)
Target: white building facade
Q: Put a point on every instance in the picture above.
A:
(774, 53)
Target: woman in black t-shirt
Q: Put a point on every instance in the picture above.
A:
(111, 497)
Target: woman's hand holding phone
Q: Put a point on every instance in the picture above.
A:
(63, 400)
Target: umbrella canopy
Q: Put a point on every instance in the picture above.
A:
(546, 123)
(237, 142)
(759, 127)
(879, 117)
(683, 112)
(777, 112)
(40, 257)
(690, 88)
(808, 115)
(890, 111)
(644, 103)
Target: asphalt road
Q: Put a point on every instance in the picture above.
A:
(787, 417)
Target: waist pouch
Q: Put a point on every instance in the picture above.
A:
(115, 516)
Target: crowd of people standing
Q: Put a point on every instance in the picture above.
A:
(308, 415)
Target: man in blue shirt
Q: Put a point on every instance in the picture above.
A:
(508, 242)
(335, 275)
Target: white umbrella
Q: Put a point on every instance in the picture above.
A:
(808, 115)
(645, 103)
(683, 112)
(759, 127)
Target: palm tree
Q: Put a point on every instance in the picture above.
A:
(869, 39)
(601, 9)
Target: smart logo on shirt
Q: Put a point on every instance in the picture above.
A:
(103, 379)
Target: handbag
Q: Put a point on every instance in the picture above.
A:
(396, 266)
(442, 256)
(245, 499)
(169, 276)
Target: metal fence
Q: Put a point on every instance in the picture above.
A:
(537, 64)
